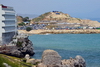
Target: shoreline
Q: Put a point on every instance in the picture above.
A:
(81, 31)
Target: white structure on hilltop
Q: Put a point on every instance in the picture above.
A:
(7, 24)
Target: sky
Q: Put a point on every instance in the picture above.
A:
(75, 8)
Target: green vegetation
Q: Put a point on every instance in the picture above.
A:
(13, 61)
(21, 24)
(19, 44)
(21, 20)
(28, 29)
(26, 19)
(97, 28)
(78, 19)
(41, 17)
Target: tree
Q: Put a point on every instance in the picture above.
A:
(28, 29)
(25, 19)
(21, 24)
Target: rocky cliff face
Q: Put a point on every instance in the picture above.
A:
(18, 47)
(23, 46)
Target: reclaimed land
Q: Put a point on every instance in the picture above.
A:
(80, 31)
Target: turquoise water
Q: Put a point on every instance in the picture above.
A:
(70, 45)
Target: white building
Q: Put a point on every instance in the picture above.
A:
(7, 24)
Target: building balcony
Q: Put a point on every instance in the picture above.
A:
(7, 25)
(8, 9)
(8, 18)
(6, 31)
(8, 13)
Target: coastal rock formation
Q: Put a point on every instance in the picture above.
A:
(22, 46)
(78, 61)
(51, 58)
(32, 61)
(27, 56)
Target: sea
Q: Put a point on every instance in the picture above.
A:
(69, 45)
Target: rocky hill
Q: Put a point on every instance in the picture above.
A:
(59, 16)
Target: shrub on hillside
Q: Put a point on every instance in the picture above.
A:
(19, 44)
(21, 24)
(28, 29)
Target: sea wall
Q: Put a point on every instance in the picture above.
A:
(80, 31)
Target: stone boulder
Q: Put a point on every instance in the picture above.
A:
(51, 57)
(79, 61)
(32, 61)
(41, 65)
(16, 53)
(27, 56)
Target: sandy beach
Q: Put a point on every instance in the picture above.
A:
(81, 31)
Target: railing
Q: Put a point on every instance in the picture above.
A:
(8, 9)
(5, 25)
(8, 29)
(9, 13)
(9, 17)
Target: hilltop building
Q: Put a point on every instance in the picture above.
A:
(7, 24)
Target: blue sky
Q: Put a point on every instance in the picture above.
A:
(75, 8)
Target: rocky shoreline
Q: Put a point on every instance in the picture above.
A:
(18, 47)
(80, 31)
(51, 58)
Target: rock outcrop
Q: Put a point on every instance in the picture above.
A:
(51, 58)
(27, 56)
(22, 46)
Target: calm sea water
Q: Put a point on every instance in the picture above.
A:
(70, 45)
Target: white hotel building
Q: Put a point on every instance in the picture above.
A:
(7, 24)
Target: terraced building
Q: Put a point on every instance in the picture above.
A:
(7, 24)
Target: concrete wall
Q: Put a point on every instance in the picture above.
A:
(7, 37)
(0, 24)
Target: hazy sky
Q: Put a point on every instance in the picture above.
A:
(76, 8)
